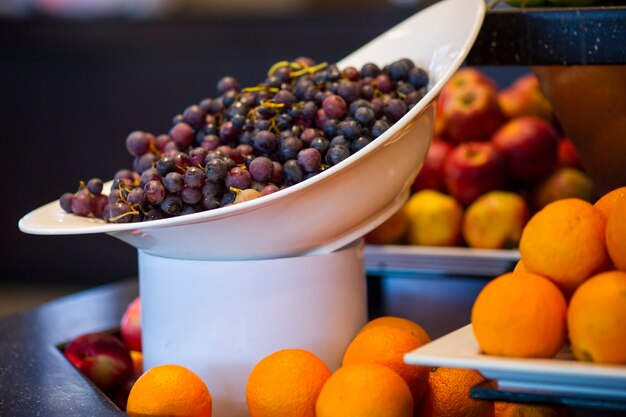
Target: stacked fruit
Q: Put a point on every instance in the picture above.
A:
(373, 379)
(497, 157)
(249, 142)
(571, 281)
(111, 362)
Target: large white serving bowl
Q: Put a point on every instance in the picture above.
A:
(336, 206)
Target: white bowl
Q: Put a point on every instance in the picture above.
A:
(333, 208)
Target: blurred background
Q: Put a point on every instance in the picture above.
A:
(76, 76)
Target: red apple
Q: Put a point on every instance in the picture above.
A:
(130, 326)
(431, 174)
(566, 154)
(470, 112)
(102, 358)
(525, 98)
(529, 145)
(472, 169)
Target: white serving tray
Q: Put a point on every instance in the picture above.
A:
(562, 375)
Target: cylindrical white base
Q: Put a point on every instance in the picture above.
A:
(219, 318)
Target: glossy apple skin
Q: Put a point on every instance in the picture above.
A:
(431, 174)
(102, 358)
(130, 325)
(474, 168)
(495, 220)
(468, 107)
(525, 98)
(567, 156)
(529, 145)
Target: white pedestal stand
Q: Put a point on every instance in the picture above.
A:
(219, 318)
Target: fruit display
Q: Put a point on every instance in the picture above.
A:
(498, 156)
(568, 286)
(248, 142)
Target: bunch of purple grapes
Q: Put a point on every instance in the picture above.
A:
(249, 142)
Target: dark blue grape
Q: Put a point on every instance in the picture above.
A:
(136, 196)
(348, 90)
(339, 140)
(191, 209)
(292, 172)
(365, 116)
(321, 144)
(172, 205)
(398, 71)
(283, 122)
(289, 148)
(378, 128)
(216, 169)
(154, 214)
(285, 97)
(359, 143)
(212, 189)
(174, 182)
(336, 154)
(330, 127)
(351, 129)
(418, 78)
(149, 175)
(369, 70)
(165, 165)
(395, 109)
(265, 141)
(227, 198)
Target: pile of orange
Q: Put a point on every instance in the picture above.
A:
(570, 281)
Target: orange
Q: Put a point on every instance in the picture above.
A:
(169, 390)
(286, 383)
(365, 389)
(597, 319)
(401, 323)
(448, 395)
(519, 267)
(616, 233)
(605, 203)
(565, 242)
(530, 410)
(520, 315)
(387, 345)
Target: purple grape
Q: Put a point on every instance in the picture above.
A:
(95, 185)
(82, 204)
(154, 214)
(99, 203)
(136, 197)
(369, 70)
(197, 156)
(348, 90)
(148, 175)
(194, 116)
(154, 192)
(165, 165)
(269, 189)
(277, 174)
(309, 160)
(194, 177)
(182, 161)
(137, 143)
(285, 97)
(226, 84)
(119, 212)
(395, 109)
(145, 161)
(238, 178)
(191, 195)
(182, 134)
(66, 202)
(289, 148)
(334, 106)
(261, 169)
(383, 83)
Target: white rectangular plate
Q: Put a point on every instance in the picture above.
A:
(562, 375)
(385, 259)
